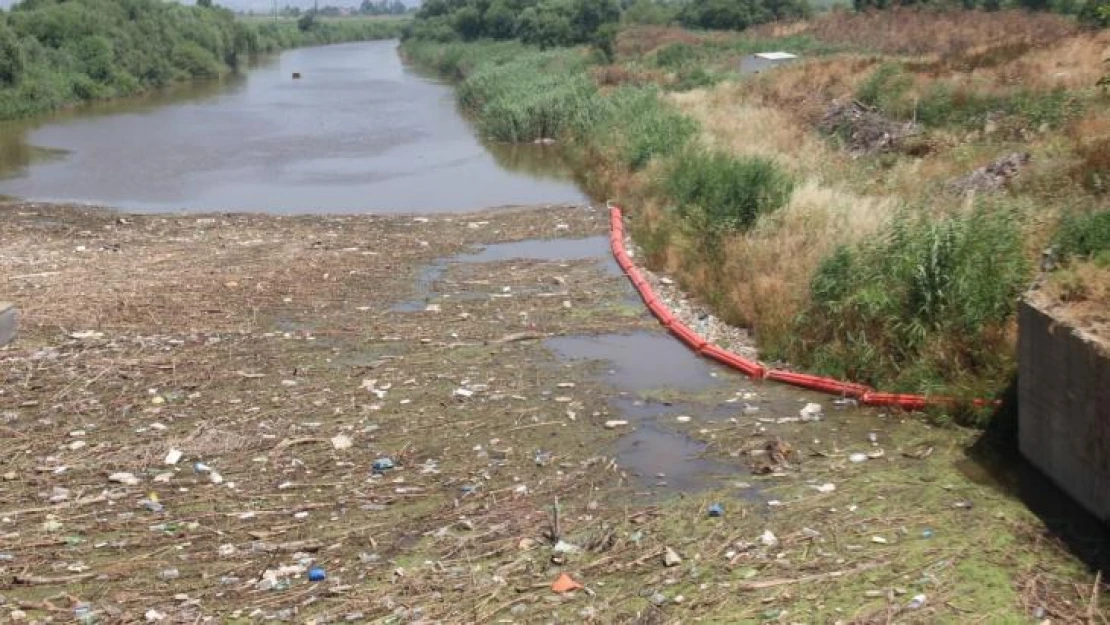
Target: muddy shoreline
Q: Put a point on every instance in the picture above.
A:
(536, 419)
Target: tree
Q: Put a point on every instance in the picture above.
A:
(12, 59)
(1096, 13)
(468, 23)
(307, 21)
(204, 4)
(740, 14)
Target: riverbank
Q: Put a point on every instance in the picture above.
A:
(842, 207)
(58, 55)
(277, 355)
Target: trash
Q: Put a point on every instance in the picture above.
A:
(127, 479)
(768, 539)
(75, 445)
(317, 574)
(873, 437)
(825, 488)
(615, 423)
(154, 616)
(463, 392)
(200, 467)
(169, 574)
(857, 458)
(564, 547)
(716, 510)
(671, 557)
(916, 603)
(215, 478)
(341, 441)
(927, 533)
(382, 465)
(566, 583)
(173, 457)
(152, 505)
(811, 412)
(682, 419)
(874, 455)
(879, 540)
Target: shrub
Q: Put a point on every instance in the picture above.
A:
(1085, 235)
(647, 128)
(719, 193)
(928, 298)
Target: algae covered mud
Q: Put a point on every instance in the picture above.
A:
(194, 412)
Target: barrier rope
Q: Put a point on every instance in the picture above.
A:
(751, 368)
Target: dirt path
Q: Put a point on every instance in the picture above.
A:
(277, 355)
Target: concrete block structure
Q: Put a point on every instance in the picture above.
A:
(1064, 405)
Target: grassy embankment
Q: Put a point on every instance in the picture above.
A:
(868, 264)
(54, 54)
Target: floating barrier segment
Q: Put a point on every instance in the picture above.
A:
(751, 368)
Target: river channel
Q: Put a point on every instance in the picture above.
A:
(359, 132)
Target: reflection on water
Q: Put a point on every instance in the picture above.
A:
(538, 161)
(643, 361)
(359, 132)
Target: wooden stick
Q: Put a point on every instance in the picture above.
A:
(35, 580)
(771, 583)
(1092, 605)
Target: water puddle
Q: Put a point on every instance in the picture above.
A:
(552, 250)
(643, 361)
(663, 460)
(670, 461)
(666, 460)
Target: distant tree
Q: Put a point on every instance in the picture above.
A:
(500, 20)
(740, 14)
(206, 4)
(12, 59)
(307, 21)
(1096, 13)
(468, 23)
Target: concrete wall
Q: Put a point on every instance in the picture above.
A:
(9, 320)
(1064, 406)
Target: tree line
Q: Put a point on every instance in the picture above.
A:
(550, 23)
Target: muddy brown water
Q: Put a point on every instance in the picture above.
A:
(359, 132)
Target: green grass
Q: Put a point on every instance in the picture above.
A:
(719, 193)
(1085, 235)
(921, 308)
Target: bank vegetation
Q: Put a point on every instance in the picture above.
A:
(873, 211)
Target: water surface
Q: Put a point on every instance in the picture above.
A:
(359, 132)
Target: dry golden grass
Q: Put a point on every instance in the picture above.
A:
(1084, 290)
(638, 41)
(765, 271)
(761, 278)
(941, 34)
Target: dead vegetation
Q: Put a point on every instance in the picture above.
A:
(287, 402)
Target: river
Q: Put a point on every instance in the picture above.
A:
(358, 132)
